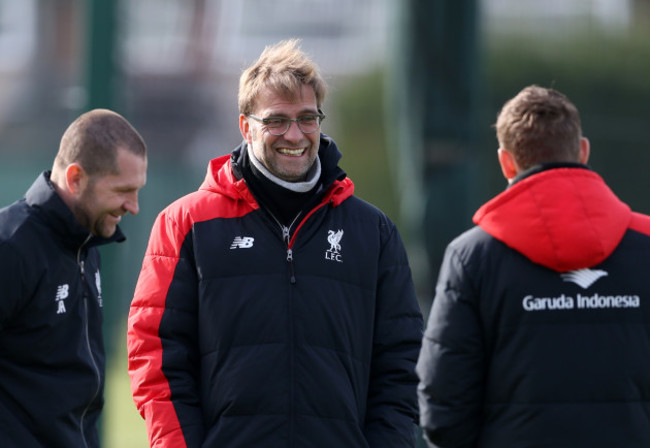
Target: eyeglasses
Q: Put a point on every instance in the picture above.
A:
(280, 125)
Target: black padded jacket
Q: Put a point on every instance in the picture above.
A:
(51, 348)
(539, 334)
(243, 333)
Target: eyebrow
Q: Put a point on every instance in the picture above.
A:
(302, 112)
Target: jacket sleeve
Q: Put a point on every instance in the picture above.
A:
(161, 339)
(12, 279)
(391, 417)
(451, 363)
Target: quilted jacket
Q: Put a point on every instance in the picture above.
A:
(539, 334)
(245, 333)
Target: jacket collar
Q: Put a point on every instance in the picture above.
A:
(43, 197)
(543, 167)
(328, 153)
(224, 175)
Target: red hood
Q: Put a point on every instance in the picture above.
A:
(220, 179)
(563, 218)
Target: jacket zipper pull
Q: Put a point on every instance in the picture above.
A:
(81, 262)
(290, 260)
(82, 269)
(287, 239)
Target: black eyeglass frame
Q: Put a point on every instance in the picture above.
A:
(266, 121)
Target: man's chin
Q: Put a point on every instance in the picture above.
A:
(106, 232)
(296, 175)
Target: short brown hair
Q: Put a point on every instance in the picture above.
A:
(93, 139)
(539, 125)
(284, 68)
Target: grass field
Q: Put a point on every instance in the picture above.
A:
(122, 425)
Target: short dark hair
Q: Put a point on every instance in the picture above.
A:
(539, 125)
(93, 139)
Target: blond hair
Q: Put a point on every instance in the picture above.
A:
(284, 69)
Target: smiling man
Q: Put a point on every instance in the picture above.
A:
(274, 308)
(289, 155)
(51, 348)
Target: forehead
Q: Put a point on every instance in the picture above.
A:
(272, 102)
(131, 171)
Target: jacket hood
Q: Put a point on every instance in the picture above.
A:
(562, 218)
(224, 175)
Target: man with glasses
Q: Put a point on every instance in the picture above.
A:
(274, 308)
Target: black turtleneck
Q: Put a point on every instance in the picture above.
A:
(282, 203)
(545, 166)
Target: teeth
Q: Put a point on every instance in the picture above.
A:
(291, 152)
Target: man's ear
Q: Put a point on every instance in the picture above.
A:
(508, 164)
(76, 179)
(245, 128)
(584, 150)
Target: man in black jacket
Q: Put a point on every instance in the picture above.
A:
(51, 348)
(274, 308)
(539, 334)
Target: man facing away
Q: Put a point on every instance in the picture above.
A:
(274, 308)
(539, 330)
(51, 347)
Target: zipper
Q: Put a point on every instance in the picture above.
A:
(86, 329)
(286, 237)
(289, 241)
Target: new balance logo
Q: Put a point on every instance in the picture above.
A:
(62, 292)
(583, 277)
(242, 242)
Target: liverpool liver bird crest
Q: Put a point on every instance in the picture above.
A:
(334, 238)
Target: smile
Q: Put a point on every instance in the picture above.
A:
(291, 152)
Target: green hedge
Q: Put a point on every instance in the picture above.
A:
(606, 76)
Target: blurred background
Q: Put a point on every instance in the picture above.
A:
(415, 86)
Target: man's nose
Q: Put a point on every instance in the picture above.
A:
(293, 133)
(131, 204)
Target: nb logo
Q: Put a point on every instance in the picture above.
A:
(242, 242)
(62, 293)
(583, 277)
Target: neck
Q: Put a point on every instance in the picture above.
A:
(58, 184)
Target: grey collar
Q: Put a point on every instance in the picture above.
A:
(313, 175)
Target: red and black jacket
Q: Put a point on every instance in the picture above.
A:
(539, 334)
(242, 336)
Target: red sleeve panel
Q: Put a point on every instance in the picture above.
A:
(167, 271)
(640, 223)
